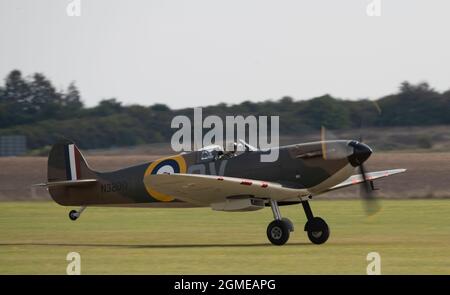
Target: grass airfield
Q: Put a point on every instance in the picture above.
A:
(412, 237)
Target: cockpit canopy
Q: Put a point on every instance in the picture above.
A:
(233, 149)
(210, 152)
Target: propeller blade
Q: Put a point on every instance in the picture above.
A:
(331, 150)
(370, 202)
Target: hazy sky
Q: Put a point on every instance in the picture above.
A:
(192, 53)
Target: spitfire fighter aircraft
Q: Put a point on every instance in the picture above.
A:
(226, 181)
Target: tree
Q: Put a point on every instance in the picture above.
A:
(326, 111)
(72, 98)
(108, 107)
(45, 101)
(159, 107)
(408, 88)
(17, 89)
(15, 100)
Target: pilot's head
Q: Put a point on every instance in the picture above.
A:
(231, 147)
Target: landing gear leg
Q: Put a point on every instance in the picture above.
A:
(278, 230)
(316, 227)
(74, 214)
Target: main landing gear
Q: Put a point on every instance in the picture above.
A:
(279, 230)
(74, 214)
(316, 227)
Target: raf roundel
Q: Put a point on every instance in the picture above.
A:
(167, 166)
(171, 165)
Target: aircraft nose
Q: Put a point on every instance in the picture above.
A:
(361, 152)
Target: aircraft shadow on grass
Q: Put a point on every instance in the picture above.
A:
(151, 246)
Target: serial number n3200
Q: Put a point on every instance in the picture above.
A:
(117, 186)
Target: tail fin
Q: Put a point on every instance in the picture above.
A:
(68, 169)
(65, 162)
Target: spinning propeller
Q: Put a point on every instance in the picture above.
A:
(333, 150)
(361, 153)
(357, 153)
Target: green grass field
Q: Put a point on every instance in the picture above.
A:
(412, 237)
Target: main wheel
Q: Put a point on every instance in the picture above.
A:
(278, 232)
(73, 215)
(318, 231)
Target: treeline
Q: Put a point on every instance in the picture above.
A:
(33, 107)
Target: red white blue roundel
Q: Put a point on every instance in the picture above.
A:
(168, 166)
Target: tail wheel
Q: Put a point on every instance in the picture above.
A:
(318, 231)
(73, 215)
(278, 232)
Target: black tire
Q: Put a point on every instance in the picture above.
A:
(318, 231)
(289, 223)
(278, 232)
(73, 215)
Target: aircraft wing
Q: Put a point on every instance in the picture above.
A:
(356, 179)
(208, 189)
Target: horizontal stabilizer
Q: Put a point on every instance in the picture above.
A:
(68, 183)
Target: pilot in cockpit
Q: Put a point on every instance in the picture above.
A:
(230, 151)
